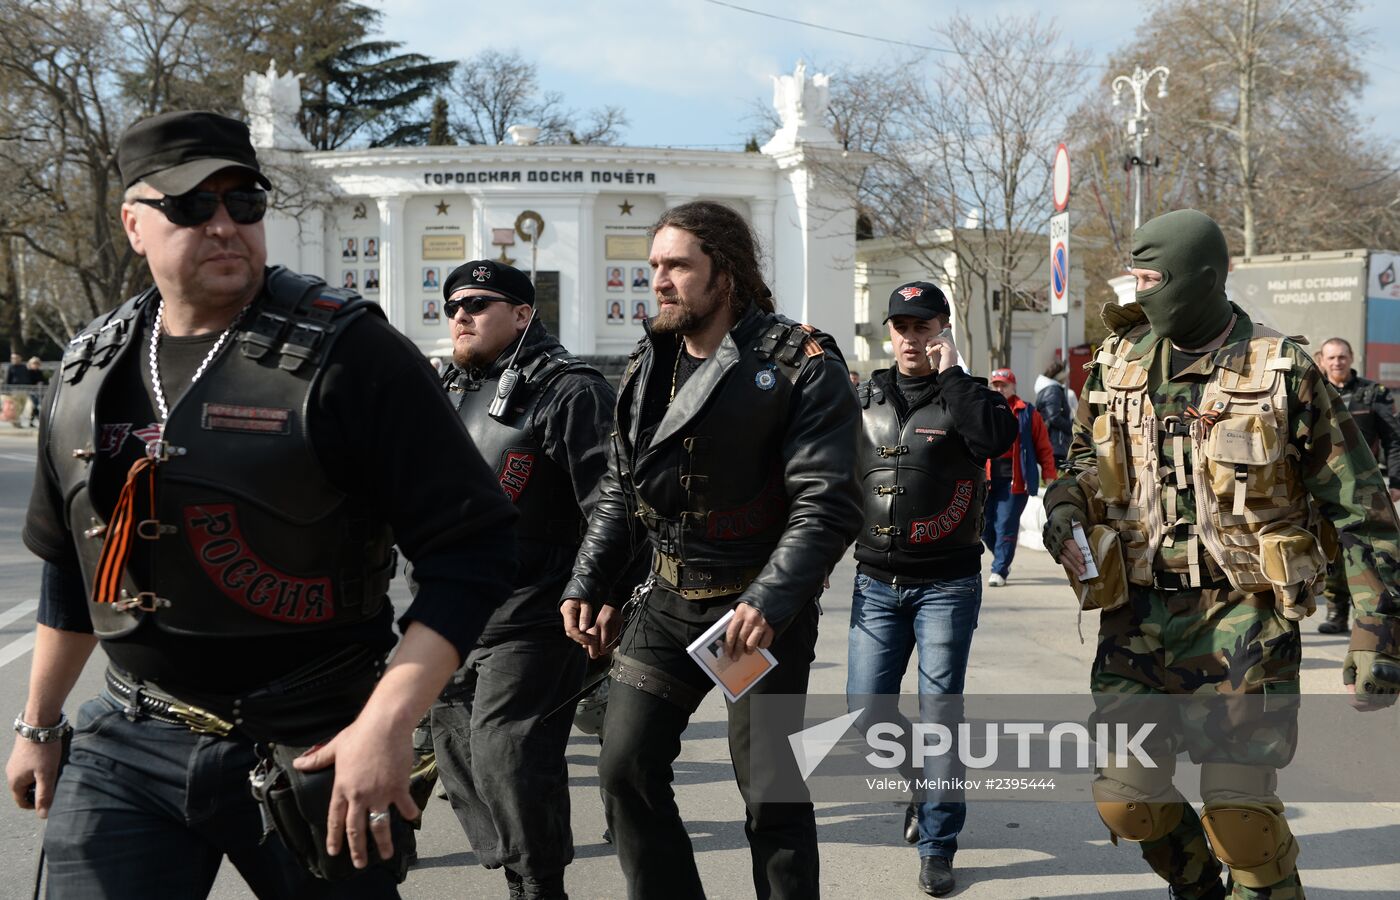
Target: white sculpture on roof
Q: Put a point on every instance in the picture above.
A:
(272, 102)
(801, 103)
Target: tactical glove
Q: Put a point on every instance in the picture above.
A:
(1059, 528)
(1379, 676)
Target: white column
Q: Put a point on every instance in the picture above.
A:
(480, 246)
(814, 247)
(1124, 286)
(676, 199)
(393, 261)
(763, 228)
(577, 312)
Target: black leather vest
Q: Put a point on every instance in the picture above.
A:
(538, 486)
(709, 487)
(923, 491)
(252, 538)
(1360, 396)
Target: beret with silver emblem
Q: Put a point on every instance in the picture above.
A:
(493, 276)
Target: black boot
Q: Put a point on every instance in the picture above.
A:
(936, 875)
(1336, 621)
(551, 888)
(911, 823)
(1213, 891)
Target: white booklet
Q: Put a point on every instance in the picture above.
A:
(1091, 570)
(734, 676)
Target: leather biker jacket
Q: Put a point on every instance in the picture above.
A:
(752, 464)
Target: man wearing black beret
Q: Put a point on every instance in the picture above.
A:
(540, 417)
(220, 486)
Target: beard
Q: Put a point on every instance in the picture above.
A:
(467, 360)
(686, 316)
(473, 357)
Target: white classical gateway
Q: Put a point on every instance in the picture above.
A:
(400, 219)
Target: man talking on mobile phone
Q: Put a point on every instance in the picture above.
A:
(929, 429)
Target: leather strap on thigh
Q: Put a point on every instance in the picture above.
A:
(651, 680)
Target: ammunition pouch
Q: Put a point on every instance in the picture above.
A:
(1293, 561)
(1109, 589)
(1111, 449)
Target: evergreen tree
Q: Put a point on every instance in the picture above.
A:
(439, 130)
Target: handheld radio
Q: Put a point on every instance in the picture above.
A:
(510, 377)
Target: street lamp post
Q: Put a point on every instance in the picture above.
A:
(1137, 123)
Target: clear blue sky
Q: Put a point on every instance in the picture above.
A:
(687, 71)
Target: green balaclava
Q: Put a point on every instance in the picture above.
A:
(1189, 306)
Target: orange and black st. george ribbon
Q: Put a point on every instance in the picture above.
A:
(121, 530)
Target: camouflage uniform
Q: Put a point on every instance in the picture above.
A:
(1371, 406)
(1219, 640)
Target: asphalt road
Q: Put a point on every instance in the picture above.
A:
(1026, 642)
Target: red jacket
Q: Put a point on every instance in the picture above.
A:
(1021, 456)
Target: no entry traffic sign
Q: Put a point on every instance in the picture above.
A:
(1060, 181)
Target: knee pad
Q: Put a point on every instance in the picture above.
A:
(1127, 815)
(1253, 840)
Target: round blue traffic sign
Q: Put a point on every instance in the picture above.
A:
(1059, 277)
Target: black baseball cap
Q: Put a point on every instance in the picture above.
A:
(919, 299)
(493, 276)
(173, 152)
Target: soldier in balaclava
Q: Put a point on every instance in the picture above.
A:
(1215, 475)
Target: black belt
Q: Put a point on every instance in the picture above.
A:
(1178, 581)
(139, 699)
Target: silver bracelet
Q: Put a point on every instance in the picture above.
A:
(35, 734)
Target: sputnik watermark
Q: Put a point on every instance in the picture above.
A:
(843, 748)
(890, 748)
(888, 751)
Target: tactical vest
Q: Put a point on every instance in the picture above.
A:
(252, 538)
(1251, 510)
(538, 486)
(923, 491)
(731, 506)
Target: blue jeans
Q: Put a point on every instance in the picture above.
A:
(144, 808)
(1002, 523)
(887, 622)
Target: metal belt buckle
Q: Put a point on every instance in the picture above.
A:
(199, 720)
(145, 601)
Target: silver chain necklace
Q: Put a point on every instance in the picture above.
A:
(156, 387)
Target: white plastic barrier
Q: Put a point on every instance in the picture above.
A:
(1033, 523)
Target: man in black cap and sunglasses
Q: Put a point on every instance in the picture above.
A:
(541, 418)
(216, 502)
(929, 429)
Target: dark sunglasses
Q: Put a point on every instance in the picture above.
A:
(197, 207)
(473, 305)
